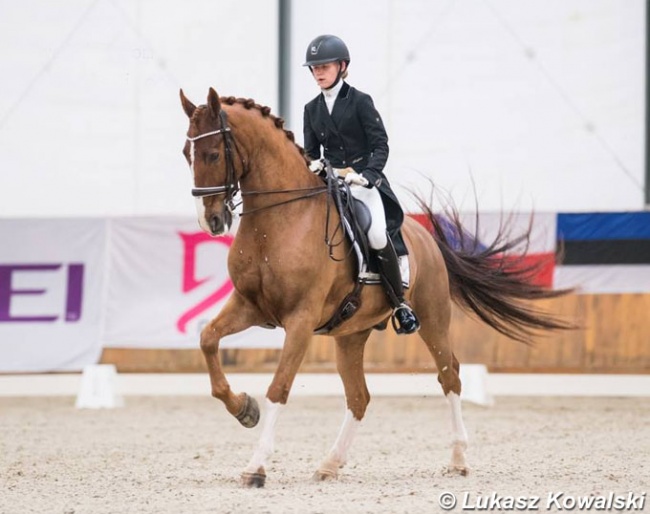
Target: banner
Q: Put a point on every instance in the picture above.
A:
(69, 287)
(51, 274)
(538, 248)
(166, 280)
(484, 229)
(604, 252)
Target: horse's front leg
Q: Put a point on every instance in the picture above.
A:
(237, 315)
(349, 363)
(299, 333)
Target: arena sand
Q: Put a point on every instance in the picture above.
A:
(185, 454)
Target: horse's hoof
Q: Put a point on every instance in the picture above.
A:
(323, 475)
(249, 415)
(253, 480)
(456, 470)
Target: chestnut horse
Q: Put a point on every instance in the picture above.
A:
(284, 276)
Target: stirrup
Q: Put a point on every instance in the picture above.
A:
(404, 320)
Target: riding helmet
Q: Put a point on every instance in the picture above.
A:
(326, 48)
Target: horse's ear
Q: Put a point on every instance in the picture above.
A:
(188, 106)
(213, 102)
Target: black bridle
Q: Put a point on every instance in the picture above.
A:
(231, 187)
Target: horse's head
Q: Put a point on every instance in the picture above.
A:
(209, 150)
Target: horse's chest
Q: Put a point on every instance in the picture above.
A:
(266, 268)
(252, 271)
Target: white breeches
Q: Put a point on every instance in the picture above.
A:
(372, 198)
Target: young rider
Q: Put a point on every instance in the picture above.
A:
(343, 122)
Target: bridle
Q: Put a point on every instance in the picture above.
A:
(231, 187)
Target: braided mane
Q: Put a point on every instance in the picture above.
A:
(249, 103)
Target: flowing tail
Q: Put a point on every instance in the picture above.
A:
(495, 282)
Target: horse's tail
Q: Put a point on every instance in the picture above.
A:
(495, 282)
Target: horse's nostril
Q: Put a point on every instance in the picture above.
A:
(216, 225)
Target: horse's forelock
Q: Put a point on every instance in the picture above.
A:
(198, 113)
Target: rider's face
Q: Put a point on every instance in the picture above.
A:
(325, 74)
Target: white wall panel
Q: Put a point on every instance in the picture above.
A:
(540, 103)
(90, 120)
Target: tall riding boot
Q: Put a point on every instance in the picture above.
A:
(404, 319)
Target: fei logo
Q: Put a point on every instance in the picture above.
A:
(73, 296)
(190, 281)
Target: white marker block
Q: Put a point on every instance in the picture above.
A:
(98, 388)
(474, 378)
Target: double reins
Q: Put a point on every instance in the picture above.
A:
(231, 187)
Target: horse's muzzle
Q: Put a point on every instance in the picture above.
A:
(220, 223)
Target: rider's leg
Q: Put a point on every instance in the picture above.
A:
(404, 319)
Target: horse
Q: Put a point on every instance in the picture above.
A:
(285, 274)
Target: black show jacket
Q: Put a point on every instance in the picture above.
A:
(354, 136)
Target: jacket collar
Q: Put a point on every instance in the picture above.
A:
(341, 103)
(339, 108)
(333, 91)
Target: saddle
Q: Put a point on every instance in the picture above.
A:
(355, 220)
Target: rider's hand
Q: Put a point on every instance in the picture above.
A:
(316, 166)
(354, 178)
(345, 172)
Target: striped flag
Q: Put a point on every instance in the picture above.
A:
(604, 252)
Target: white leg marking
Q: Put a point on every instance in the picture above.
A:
(339, 451)
(459, 444)
(267, 438)
(457, 425)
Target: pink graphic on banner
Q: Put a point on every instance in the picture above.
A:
(191, 282)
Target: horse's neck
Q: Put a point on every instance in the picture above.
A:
(276, 167)
(276, 173)
(278, 196)
(279, 192)
(275, 164)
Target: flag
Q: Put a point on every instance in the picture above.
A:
(604, 252)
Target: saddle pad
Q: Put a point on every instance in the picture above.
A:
(365, 275)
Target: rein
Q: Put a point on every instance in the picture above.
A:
(313, 191)
(231, 188)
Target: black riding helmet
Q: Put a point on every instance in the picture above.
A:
(326, 48)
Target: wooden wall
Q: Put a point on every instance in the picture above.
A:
(615, 339)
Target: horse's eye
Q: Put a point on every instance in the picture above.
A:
(212, 157)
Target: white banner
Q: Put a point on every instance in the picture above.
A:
(167, 279)
(51, 275)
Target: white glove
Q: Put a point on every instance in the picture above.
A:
(356, 179)
(316, 166)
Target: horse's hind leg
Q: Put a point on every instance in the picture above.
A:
(437, 340)
(349, 362)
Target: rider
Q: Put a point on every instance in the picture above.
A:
(344, 122)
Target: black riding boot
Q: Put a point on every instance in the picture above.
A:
(404, 319)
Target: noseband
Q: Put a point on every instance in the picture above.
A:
(231, 187)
